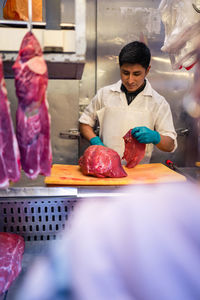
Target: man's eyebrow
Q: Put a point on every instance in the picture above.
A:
(124, 70)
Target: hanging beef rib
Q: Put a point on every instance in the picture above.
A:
(33, 120)
(11, 251)
(134, 151)
(100, 161)
(9, 151)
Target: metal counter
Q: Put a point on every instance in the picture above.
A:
(191, 173)
(40, 214)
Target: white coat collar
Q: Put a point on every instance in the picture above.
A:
(116, 87)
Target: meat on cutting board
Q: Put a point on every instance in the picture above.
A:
(9, 151)
(11, 251)
(134, 151)
(100, 161)
(32, 119)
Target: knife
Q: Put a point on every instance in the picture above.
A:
(174, 167)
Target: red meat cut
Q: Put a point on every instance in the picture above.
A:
(9, 153)
(11, 251)
(134, 151)
(32, 119)
(100, 161)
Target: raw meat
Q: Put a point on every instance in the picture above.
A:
(100, 161)
(9, 153)
(33, 120)
(134, 151)
(11, 251)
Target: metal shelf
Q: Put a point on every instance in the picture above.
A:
(61, 63)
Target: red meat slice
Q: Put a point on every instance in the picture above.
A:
(100, 161)
(32, 120)
(9, 151)
(134, 151)
(11, 251)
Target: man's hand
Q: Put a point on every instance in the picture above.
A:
(96, 141)
(145, 135)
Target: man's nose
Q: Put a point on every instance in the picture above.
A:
(130, 78)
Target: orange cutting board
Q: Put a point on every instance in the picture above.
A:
(71, 175)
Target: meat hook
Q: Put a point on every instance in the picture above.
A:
(196, 8)
(29, 15)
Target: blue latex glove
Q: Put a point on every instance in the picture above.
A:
(145, 135)
(96, 141)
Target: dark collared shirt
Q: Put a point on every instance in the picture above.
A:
(130, 96)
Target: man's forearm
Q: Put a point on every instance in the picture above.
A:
(166, 143)
(87, 131)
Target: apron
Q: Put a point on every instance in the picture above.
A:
(116, 121)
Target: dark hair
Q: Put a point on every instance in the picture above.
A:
(135, 53)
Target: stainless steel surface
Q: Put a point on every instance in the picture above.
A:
(126, 21)
(71, 134)
(192, 173)
(106, 194)
(36, 218)
(53, 14)
(68, 11)
(182, 131)
(63, 106)
(184, 171)
(37, 191)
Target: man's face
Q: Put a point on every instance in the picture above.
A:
(132, 76)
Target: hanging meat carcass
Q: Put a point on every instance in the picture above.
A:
(9, 153)
(134, 151)
(32, 119)
(100, 161)
(11, 251)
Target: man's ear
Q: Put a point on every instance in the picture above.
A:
(147, 70)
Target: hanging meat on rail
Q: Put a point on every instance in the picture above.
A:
(100, 161)
(9, 151)
(134, 151)
(32, 119)
(11, 251)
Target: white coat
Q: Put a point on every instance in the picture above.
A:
(116, 117)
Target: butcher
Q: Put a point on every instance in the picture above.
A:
(130, 103)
